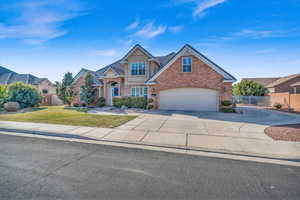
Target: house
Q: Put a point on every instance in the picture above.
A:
(43, 85)
(290, 84)
(185, 80)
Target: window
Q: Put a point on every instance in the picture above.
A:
(139, 91)
(137, 69)
(187, 64)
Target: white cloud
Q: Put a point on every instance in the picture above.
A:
(175, 29)
(151, 31)
(39, 21)
(104, 52)
(255, 33)
(133, 25)
(201, 5)
(206, 4)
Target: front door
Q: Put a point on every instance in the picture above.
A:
(114, 93)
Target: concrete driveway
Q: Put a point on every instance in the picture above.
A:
(210, 131)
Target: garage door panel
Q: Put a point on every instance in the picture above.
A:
(190, 99)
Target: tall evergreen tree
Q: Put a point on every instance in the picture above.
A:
(64, 89)
(88, 90)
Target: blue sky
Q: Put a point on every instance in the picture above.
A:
(47, 38)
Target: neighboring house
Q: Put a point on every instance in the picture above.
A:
(43, 85)
(290, 84)
(186, 80)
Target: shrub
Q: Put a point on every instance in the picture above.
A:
(12, 106)
(150, 106)
(130, 102)
(101, 102)
(227, 110)
(278, 106)
(76, 105)
(226, 103)
(83, 105)
(150, 100)
(25, 95)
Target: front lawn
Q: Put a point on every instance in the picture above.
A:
(59, 115)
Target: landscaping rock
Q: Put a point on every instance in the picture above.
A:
(12, 106)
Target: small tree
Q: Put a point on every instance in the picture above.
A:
(3, 95)
(249, 88)
(88, 91)
(64, 90)
(25, 95)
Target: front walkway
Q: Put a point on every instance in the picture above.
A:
(231, 133)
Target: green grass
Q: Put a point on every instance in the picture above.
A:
(59, 115)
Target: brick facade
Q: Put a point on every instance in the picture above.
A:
(202, 76)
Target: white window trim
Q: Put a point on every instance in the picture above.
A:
(137, 69)
(182, 64)
(141, 88)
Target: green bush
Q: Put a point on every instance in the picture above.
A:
(130, 102)
(227, 110)
(150, 100)
(226, 103)
(76, 105)
(150, 106)
(25, 95)
(278, 106)
(101, 102)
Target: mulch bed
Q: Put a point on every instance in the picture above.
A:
(289, 132)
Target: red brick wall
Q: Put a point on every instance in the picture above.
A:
(202, 76)
(76, 88)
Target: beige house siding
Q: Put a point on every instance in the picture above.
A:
(135, 57)
(46, 85)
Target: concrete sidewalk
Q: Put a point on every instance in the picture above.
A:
(134, 132)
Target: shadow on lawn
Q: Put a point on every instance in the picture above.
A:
(24, 110)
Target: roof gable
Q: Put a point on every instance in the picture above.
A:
(190, 50)
(134, 49)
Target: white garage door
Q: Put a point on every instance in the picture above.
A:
(189, 99)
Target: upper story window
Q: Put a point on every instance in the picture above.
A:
(138, 69)
(187, 64)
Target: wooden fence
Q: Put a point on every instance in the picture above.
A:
(291, 101)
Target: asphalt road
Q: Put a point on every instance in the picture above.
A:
(33, 168)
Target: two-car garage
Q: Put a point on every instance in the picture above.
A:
(189, 99)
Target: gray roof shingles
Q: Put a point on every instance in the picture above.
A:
(263, 81)
(8, 77)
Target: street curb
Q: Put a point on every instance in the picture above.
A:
(181, 150)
